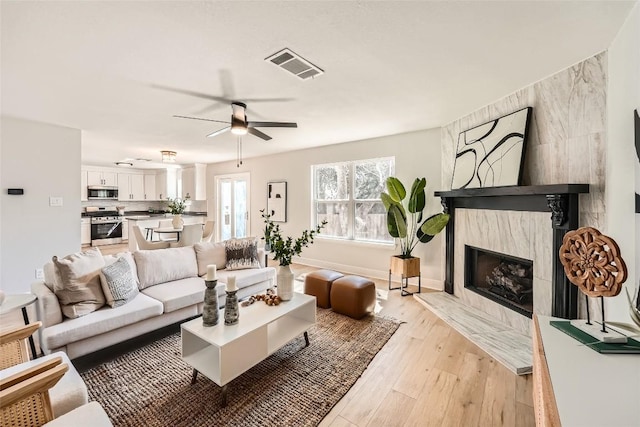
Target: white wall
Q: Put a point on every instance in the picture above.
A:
(417, 154)
(623, 98)
(44, 160)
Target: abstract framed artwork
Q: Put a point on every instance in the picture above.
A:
(492, 154)
(277, 201)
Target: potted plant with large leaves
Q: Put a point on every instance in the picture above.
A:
(405, 222)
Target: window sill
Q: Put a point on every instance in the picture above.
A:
(360, 243)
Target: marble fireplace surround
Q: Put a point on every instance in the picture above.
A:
(523, 221)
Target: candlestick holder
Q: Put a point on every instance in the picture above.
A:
(210, 314)
(231, 309)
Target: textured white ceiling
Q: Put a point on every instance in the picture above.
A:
(390, 67)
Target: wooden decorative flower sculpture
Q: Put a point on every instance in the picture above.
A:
(592, 262)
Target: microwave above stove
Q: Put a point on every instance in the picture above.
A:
(102, 192)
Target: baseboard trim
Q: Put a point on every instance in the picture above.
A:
(437, 285)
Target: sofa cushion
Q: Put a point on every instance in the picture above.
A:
(118, 284)
(101, 321)
(178, 294)
(210, 253)
(164, 265)
(79, 289)
(242, 253)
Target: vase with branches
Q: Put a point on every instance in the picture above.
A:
(284, 249)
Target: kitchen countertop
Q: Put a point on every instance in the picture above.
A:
(135, 215)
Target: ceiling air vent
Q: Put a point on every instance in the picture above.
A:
(295, 64)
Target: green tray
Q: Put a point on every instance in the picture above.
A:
(631, 347)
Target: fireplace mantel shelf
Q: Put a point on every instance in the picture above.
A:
(561, 200)
(516, 190)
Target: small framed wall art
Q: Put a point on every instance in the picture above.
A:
(492, 154)
(277, 201)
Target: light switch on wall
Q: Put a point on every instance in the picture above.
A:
(55, 201)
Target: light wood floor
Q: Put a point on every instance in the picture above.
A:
(426, 375)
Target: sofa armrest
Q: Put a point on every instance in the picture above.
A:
(48, 307)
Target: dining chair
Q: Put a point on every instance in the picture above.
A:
(146, 245)
(207, 233)
(163, 237)
(191, 234)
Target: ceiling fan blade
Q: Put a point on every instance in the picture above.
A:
(198, 118)
(194, 93)
(219, 131)
(254, 100)
(272, 124)
(256, 132)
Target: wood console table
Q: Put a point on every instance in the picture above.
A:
(577, 386)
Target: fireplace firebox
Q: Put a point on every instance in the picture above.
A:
(502, 278)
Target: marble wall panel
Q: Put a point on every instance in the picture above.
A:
(541, 240)
(587, 101)
(567, 144)
(542, 296)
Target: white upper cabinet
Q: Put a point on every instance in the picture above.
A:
(150, 187)
(194, 182)
(166, 184)
(130, 186)
(102, 178)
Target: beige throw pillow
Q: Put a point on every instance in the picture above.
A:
(210, 253)
(242, 253)
(79, 289)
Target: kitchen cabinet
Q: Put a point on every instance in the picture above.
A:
(194, 182)
(85, 231)
(166, 184)
(102, 178)
(83, 185)
(150, 187)
(130, 186)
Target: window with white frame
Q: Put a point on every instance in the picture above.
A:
(347, 196)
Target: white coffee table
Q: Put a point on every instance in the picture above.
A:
(222, 353)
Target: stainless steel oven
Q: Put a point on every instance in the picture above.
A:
(106, 230)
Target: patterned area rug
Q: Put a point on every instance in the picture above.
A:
(296, 386)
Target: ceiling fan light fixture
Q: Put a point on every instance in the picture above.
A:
(168, 156)
(238, 127)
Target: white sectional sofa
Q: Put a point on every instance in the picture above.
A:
(171, 290)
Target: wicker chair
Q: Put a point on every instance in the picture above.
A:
(69, 393)
(25, 400)
(14, 347)
(24, 397)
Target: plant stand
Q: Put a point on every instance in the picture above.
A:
(406, 268)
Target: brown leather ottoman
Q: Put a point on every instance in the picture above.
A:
(353, 296)
(318, 283)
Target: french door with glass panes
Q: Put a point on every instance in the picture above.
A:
(232, 205)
